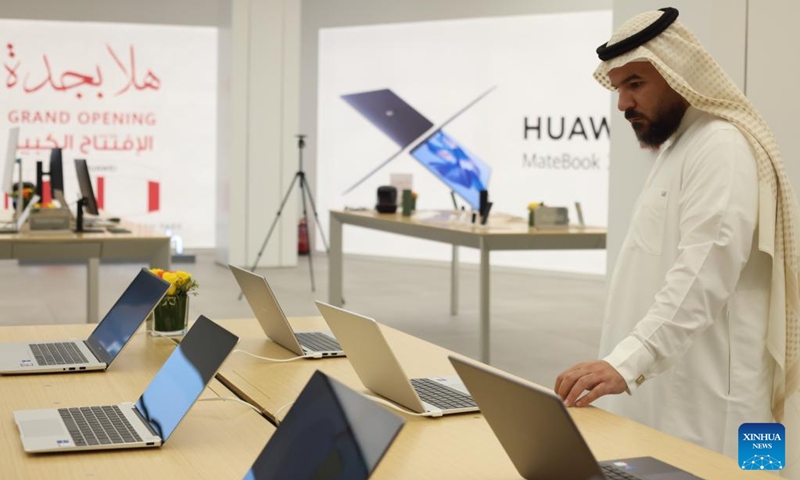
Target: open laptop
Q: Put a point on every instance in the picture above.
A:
(331, 433)
(377, 367)
(538, 433)
(147, 423)
(103, 345)
(16, 226)
(275, 324)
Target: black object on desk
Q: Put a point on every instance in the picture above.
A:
(387, 199)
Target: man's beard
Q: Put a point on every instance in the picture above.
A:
(664, 123)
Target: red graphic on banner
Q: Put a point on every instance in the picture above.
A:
(101, 193)
(69, 79)
(152, 196)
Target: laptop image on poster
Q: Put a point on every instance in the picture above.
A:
(379, 370)
(104, 344)
(331, 433)
(462, 172)
(538, 433)
(147, 423)
(390, 114)
(276, 326)
(398, 128)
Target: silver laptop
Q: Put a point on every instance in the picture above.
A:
(538, 433)
(16, 226)
(377, 367)
(147, 423)
(275, 324)
(103, 345)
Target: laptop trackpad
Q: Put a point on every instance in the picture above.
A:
(42, 428)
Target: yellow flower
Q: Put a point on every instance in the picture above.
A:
(533, 205)
(171, 290)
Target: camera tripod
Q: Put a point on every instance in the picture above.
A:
(299, 177)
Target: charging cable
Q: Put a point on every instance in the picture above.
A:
(230, 399)
(275, 360)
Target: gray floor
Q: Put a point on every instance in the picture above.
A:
(541, 323)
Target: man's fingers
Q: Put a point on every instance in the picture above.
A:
(568, 382)
(586, 382)
(598, 391)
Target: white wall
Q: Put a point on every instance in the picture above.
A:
(720, 25)
(259, 83)
(168, 12)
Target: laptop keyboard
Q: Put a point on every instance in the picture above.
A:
(440, 396)
(318, 342)
(98, 426)
(65, 353)
(615, 473)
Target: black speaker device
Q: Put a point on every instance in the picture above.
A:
(387, 199)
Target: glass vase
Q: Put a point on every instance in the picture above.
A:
(171, 316)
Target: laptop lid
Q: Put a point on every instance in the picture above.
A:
(182, 378)
(11, 159)
(27, 212)
(371, 356)
(532, 424)
(330, 433)
(390, 114)
(266, 308)
(127, 314)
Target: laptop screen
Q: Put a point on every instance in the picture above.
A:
(331, 433)
(120, 323)
(184, 375)
(460, 170)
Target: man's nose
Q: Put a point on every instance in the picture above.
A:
(625, 101)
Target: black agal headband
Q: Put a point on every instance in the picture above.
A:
(606, 52)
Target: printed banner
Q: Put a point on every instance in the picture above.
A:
(138, 102)
(540, 134)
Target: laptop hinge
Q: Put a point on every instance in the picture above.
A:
(146, 423)
(96, 356)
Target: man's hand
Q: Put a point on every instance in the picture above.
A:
(598, 377)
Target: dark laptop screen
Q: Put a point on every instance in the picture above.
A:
(331, 433)
(184, 375)
(120, 323)
(390, 114)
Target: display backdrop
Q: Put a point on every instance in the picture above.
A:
(543, 130)
(138, 102)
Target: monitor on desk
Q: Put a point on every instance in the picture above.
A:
(85, 184)
(88, 202)
(56, 175)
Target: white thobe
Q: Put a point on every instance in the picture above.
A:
(686, 319)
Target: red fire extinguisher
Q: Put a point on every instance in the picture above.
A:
(302, 237)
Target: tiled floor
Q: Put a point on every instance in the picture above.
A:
(541, 322)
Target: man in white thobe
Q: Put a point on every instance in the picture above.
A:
(700, 328)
